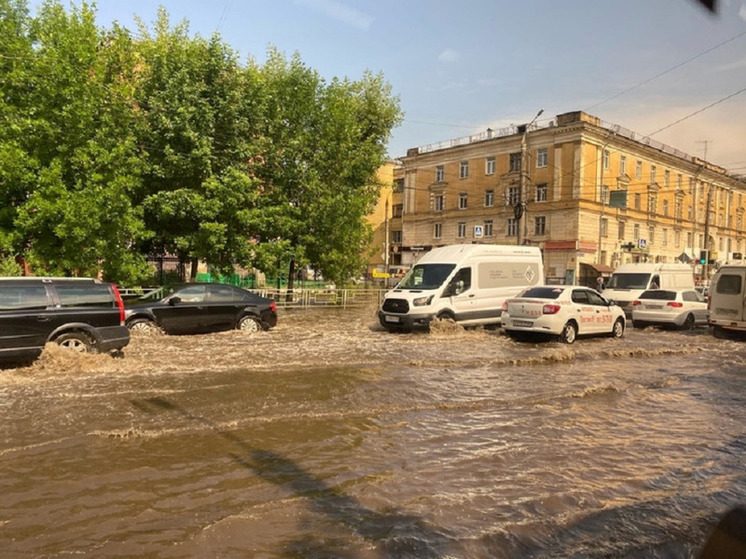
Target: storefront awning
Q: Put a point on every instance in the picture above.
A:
(600, 268)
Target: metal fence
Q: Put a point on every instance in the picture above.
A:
(296, 298)
(341, 298)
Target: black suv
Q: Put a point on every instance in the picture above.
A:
(81, 314)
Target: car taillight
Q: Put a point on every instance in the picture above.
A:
(674, 304)
(120, 303)
(550, 309)
(636, 302)
(273, 306)
(505, 306)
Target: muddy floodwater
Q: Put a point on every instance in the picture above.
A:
(330, 437)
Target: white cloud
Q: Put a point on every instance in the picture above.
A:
(340, 12)
(448, 56)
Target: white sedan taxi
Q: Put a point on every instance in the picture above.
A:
(664, 307)
(563, 311)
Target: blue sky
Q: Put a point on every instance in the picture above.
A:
(459, 67)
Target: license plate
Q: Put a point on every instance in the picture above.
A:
(523, 323)
(388, 318)
(656, 307)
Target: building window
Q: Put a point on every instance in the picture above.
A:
(540, 225)
(437, 231)
(651, 235)
(665, 208)
(515, 162)
(462, 200)
(652, 174)
(620, 235)
(637, 201)
(677, 238)
(396, 237)
(512, 228)
(489, 166)
(691, 185)
(398, 185)
(541, 192)
(440, 203)
(665, 237)
(677, 209)
(439, 173)
(514, 195)
(542, 158)
(604, 194)
(636, 232)
(489, 198)
(604, 227)
(689, 240)
(666, 178)
(397, 210)
(607, 157)
(461, 230)
(638, 170)
(463, 170)
(652, 204)
(679, 181)
(622, 164)
(488, 228)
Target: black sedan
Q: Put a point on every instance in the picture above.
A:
(203, 307)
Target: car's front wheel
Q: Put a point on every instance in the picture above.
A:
(618, 330)
(569, 333)
(76, 341)
(249, 324)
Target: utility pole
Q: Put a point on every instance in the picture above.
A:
(523, 193)
(386, 244)
(708, 203)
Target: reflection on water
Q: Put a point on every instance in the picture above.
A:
(329, 437)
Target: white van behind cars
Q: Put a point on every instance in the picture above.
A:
(463, 283)
(628, 281)
(727, 306)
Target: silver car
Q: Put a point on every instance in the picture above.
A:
(666, 307)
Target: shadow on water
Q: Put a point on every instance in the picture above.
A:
(396, 534)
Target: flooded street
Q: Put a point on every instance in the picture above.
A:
(329, 437)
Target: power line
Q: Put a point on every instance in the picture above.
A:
(703, 109)
(671, 69)
(222, 15)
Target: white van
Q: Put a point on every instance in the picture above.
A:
(628, 281)
(464, 283)
(727, 305)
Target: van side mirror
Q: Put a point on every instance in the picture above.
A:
(174, 300)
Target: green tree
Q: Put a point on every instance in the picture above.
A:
(76, 130)
(197, 183)
(321, 147)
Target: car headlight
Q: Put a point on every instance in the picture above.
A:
(422, 301)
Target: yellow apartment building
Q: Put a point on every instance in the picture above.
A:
(590, 194)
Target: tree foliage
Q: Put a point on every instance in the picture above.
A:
(113, 149)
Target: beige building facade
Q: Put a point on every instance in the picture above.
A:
(591, 195)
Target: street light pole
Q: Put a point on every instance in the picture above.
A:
(523, 194)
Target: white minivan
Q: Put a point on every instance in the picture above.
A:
(727, 305)
(463, 283)
(628, 281)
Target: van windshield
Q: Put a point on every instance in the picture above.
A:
(426, 276)
(628, 281)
